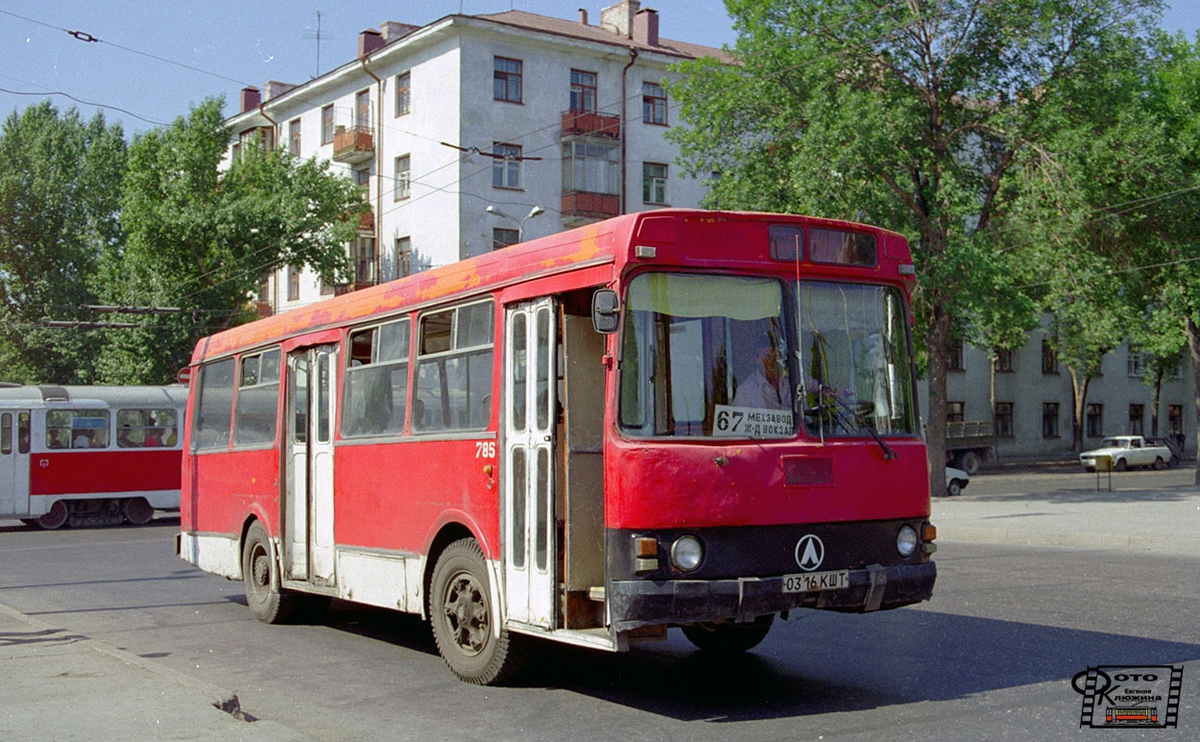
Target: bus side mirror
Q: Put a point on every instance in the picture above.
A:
(605, 311)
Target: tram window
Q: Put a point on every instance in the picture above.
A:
(77, 429)
(23, 432)
(147, 428)
(256, 416)
(453, 383)
(6, 433)
(214, 403)
(376, 383)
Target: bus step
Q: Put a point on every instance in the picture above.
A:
(596, 594)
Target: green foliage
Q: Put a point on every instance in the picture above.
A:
(931, 118)
(200, 237)
(59, 197)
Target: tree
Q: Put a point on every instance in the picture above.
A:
(59, 196)
(201, 236)
(911, 115)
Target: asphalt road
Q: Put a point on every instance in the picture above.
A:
(990, 657)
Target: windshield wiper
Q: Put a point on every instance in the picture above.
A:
(851, 415)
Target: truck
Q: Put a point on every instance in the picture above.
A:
(1125, 451)
(969, 444)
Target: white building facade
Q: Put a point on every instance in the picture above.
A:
(475, 132)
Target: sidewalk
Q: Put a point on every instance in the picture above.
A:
(56, 685)
(1078, 513)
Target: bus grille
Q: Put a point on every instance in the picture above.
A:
(807, 472)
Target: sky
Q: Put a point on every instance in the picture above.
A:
(146, 62)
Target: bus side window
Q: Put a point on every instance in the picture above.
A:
(6, 433)
(376, 380)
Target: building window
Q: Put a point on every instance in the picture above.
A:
(1175, 421)
(1049, 419)
(654, 183)
(403, 94)
(293, 279)
(403, 178)
(583, 91)
(506, 80)
(362, 177)
(1003, 419)
(1049, 358)
(954, 356)
(294, 137)
(654, 104)
(362, 109)
(364, 260)
(327, 125)
(1137, 414)
(1094, 423)
(326, 288)
(506, 167)
(591, 167)
(1135, 364)
(403, 257)
(955, 412)
(1003, 362)
(502, 237)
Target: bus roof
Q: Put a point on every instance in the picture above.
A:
(610, 242)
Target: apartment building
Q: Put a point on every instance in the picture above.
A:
(477, 131)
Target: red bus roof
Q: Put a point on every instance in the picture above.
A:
(607, 242)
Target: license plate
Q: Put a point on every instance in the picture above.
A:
(811, 582)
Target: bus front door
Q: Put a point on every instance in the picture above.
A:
(528, 495)
(14, 462)
(308, 497)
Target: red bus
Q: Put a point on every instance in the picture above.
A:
(671, 418)
(89, 455)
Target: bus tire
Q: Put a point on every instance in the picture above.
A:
(55, 517)
(266, 600)
(729, 638)
(138, 511)
(464, 620)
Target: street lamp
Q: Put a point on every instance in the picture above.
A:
(535, 211)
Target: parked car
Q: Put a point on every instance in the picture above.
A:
(1126, 451)
(956, 479)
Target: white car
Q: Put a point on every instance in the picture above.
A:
(956, 479)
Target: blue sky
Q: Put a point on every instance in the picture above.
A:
(156, 59)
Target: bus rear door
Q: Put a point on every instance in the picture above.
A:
(308, 552)
(528, 495)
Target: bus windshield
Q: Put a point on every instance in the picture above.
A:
(739, 357)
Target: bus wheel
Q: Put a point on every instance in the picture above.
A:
(267, 602)
(464, 619)
(138, 511)
(729, 638)
(55, 517)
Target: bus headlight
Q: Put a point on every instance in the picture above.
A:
(686, 553)
(906, 541)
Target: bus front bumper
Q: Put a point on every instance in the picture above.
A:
(637, 603)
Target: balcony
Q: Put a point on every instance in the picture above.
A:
(582, 206)
(354, 145)
(591, 123)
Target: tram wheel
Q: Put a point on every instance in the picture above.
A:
(266, 600)
(55, 517)
(138, 511)
(729, 638)
(464, 619)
